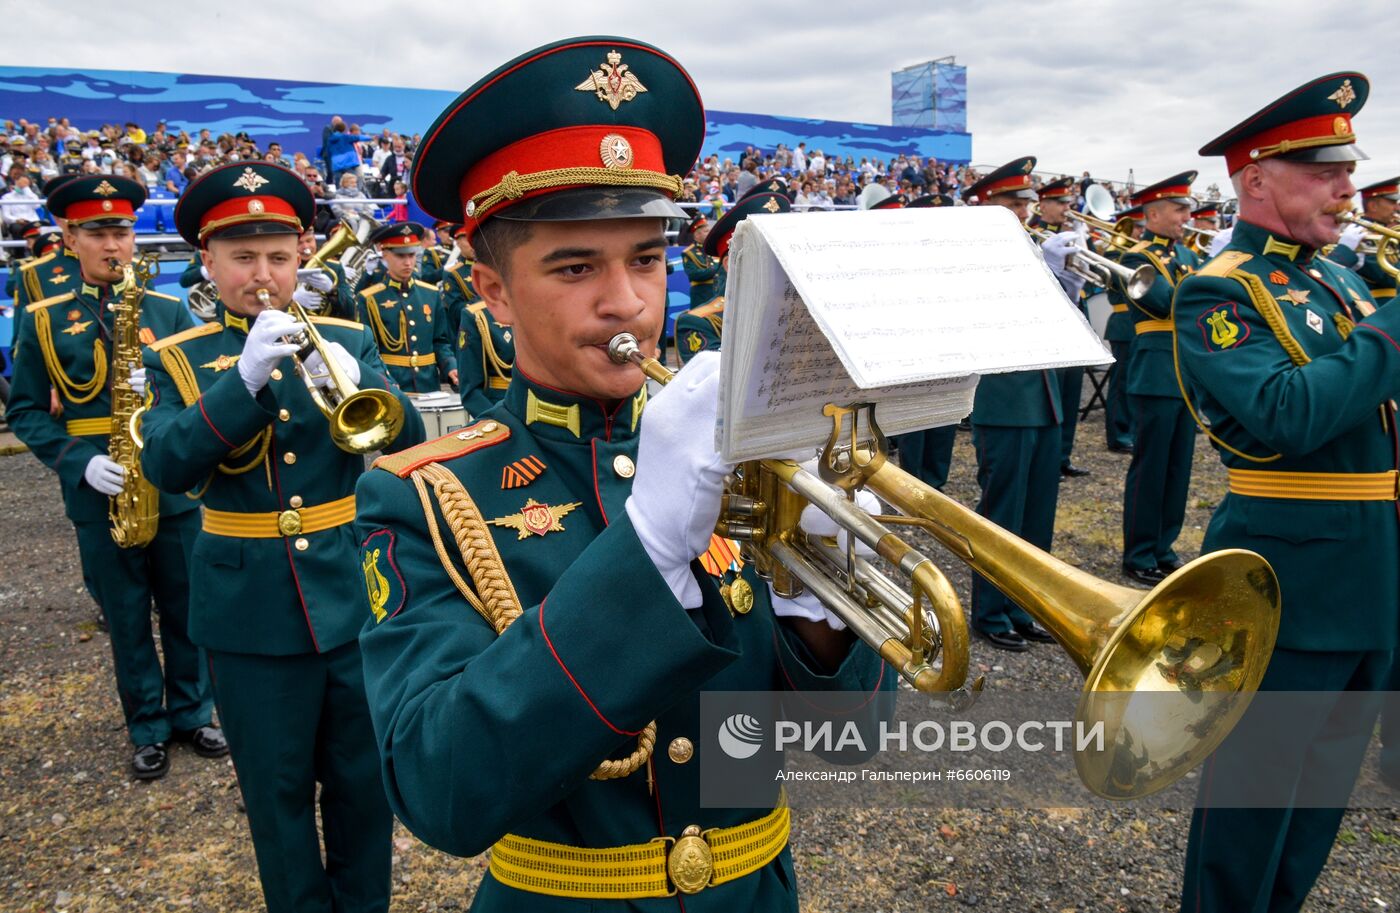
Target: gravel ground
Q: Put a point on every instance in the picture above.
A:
(77, 834)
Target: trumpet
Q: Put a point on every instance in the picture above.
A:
(1101, 270)
(1209, 627)
(1098, 216)
(360, 420)
(1385, 240)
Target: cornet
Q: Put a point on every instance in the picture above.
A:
(1208, 628)
(1101, 270)
(1385, 239)
(360, 420)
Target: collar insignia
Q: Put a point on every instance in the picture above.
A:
(104, 189)
(250, 180)
(78, 327)
(536, 519)
(1295, 296)
(522, 472)
(222, 363)
(1344, 95)
(537, 410)
(612, 82)
(1275, 246)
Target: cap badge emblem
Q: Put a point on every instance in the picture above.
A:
(1344, 95)
(250, 180)
(615, 151)
(772, 206)
(104, 189)
(612, 82)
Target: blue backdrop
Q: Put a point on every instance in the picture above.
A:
(294, 113)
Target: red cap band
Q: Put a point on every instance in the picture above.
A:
(247, 209)
(1324, 130)
(92, 210)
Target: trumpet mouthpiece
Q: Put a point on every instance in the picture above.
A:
(621, 347)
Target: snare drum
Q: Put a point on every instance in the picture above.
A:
(442, 413)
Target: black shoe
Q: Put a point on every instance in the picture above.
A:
(1119, 448)
(1071, 471)
(1149, 576)
(1035, 633)
(207, 741)
(1005, 640)
(1168, 567)
(150, 762)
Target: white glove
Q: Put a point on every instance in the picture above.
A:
(1352, 236)
(137, 379)
(675, 497)
(1222, 238)
(815, 522)
(1057, 250)
(204, 271)
(318, 279)
(265, 347)
(307, 298)
(105, 475)
(316, 366)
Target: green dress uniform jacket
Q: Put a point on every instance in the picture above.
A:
(1159, 475)
(1382, 284)
(707, 275)
(65, 344)
(42, 278)
(601, 649)
(275, 601)
(410, 327)
(1294, 372)
(700, 329)
(485, 356)
(458, 292)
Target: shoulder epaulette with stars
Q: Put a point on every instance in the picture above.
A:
(40, 305)
(475, 437)
(372, 290)
(204, 329)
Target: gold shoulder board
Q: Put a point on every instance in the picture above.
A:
(162, 295)
(338, 322)
(38, 305)
(30, 264)
(476, 307)
(1224, 263)
(475, 437)
(426, 285)
(204, 329)
(372, 289)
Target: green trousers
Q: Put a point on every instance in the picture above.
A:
(293, 722)
(1071, 389)
(1390, 728)
(124, 582)
(1118, 422)
(928, 455)
(1154, 494)
(1265, 860)
(1019, 472)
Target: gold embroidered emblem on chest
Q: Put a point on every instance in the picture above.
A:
(537, 519)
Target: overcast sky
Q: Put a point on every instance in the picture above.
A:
(1082, 84)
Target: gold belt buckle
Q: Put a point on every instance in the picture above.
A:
(289, 522)
(690, 863)
(413, 360)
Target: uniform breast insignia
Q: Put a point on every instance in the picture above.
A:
(146, 336)
(59, 277)
(1220, 331)
(222, 363)
(1315, 321)
(612, 82)
(522, 472)
(536, 519)
(694, 342)
(77, 328)
(384, 584)
(427, 310)
(1277, 277)
(1295, 296)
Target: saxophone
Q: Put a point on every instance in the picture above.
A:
(135, 510)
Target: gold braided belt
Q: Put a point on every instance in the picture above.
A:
(410, 361)
(497, 383)
(1152, 326)
(82, 427)
(274, 524)
(1315, 486)
(1119, 308)
(688, 864)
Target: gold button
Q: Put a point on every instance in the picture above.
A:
(623, 466)
(681, 750)
(413, 339)
(276, 374)
(295, 501)
(284, 415)
(302, 545)
(289, 458)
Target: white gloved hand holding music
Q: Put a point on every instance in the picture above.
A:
(265, 347)
(676, 492)
(137, 380)
(316, 365)
(1352, 236)
(815, 522)
(318, 279)
(105, 475)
